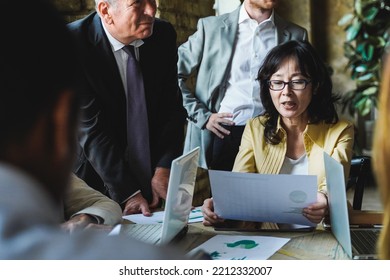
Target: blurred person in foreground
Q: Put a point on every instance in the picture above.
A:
(381, 157)
(38, 125)
(300, 123)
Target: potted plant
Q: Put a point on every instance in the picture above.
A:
(367, 36)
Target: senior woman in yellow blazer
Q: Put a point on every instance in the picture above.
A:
(300, 123)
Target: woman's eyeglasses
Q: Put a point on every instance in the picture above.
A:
(294, 84)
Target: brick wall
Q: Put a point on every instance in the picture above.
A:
(184, 14)
(74, 9)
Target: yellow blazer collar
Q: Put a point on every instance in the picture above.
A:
(315, 132)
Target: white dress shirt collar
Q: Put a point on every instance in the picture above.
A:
(116, 45)
(245, 16)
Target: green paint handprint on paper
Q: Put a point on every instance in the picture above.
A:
(215, 255)
(245, 244)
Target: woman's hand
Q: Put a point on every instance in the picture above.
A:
(317, 211)
(209, 217)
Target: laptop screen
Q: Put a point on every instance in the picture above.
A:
(338, 202)
(180, 193)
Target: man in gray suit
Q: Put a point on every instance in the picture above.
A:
(227, 52)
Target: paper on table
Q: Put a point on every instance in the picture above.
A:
(263, 198)
(157, 217)
(116, 230)
(196, 215)
(240, 247)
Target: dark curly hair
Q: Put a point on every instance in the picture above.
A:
(322, 106)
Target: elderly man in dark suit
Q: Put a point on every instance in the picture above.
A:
(135, 174)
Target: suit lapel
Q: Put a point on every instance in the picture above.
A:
(107, 68)
(282, 34)
(226, 38)
(228, 35)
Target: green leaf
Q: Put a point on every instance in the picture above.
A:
(360, 46)
(359, 105)
(371, 13)
(381, 42)
(368, 105)
(345, 19)
(365, 77)
(358, 7)
(361, 68)
(353, 30)
(368, 52)
(364, 106)
(370, 91)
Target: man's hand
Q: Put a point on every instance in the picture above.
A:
(159, 185)
(137, 204)
(100, 227)
(215, 121)
(78, 222)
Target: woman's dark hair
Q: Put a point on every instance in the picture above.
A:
(322, 106)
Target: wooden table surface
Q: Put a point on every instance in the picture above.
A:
(316, 245)
(319, 244)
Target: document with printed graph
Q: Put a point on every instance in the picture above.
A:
(263, 198)
(240, 247)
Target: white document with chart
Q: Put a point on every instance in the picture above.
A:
(262, 198)
(241, 247)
